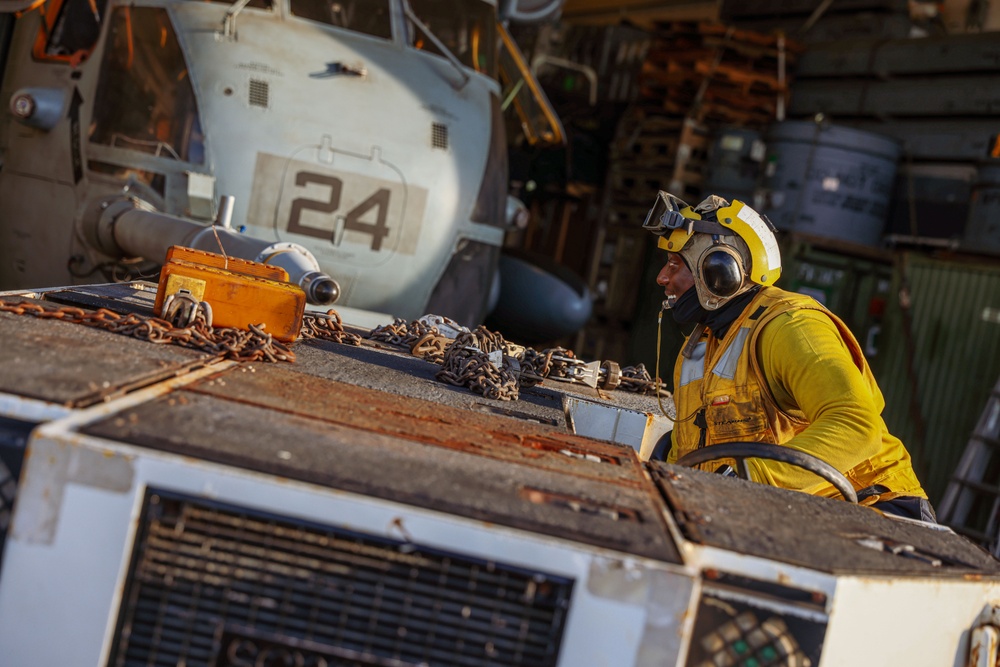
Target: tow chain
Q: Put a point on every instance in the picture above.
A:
(481, 360)
(399, 332)
(637, 379)
(252, 344)
(423, 338)
(554, 362)
(327, 326)
(529, 366)
(476, 360)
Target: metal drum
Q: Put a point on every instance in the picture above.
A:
(830, 181)
(735, 163)
(982, 231)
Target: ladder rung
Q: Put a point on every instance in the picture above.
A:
(990, 489)
(977, 454)
(987, 440)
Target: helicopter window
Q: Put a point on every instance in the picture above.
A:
(466, 27)
(130, 175)
(367, 16)
(69, 31)
(144, 99)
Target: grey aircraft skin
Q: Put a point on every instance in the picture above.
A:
(361, 143)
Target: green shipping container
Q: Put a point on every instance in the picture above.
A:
(939, 358)
(853, 282)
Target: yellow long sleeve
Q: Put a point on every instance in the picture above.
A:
(812, 374)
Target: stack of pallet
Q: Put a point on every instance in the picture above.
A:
(696, 79)
(718, 75)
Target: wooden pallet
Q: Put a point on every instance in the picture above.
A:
(637, 183)
(717, 75)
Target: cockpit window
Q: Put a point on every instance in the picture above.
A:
(144, 99)
(368, 16)
(466, 27)
(69, 30)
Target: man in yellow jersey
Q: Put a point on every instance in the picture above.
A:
(763, 365)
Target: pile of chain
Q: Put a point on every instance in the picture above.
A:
(422, 339)
(251, 345)
(327, 326)
(399, 332)
(465, 366)
(637, 379)
(543, 365)
(467, 363)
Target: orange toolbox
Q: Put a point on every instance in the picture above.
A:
(239, 291)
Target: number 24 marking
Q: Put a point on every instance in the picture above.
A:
(352, 221)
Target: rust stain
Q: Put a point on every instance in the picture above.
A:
(425, 421)
(397, 524)
(974, 657)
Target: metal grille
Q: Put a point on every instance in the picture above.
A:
(439, 135)
(217, 585)
(259, 93)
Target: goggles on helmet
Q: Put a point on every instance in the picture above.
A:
(709, 233)
(665, 216)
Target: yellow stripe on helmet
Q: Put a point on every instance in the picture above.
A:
(765, 258)
(678, 238)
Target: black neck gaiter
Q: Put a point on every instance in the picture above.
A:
(688, 311)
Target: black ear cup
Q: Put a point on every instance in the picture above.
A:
(722, 273)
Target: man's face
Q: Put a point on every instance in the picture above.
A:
(675, 277)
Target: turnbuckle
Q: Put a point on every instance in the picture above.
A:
(607, 375)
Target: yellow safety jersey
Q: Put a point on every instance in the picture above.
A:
(790, 372)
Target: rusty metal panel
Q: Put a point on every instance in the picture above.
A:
(285, 389)
(488, 468)
(818, 533)
(939, 359)
(77, 366)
